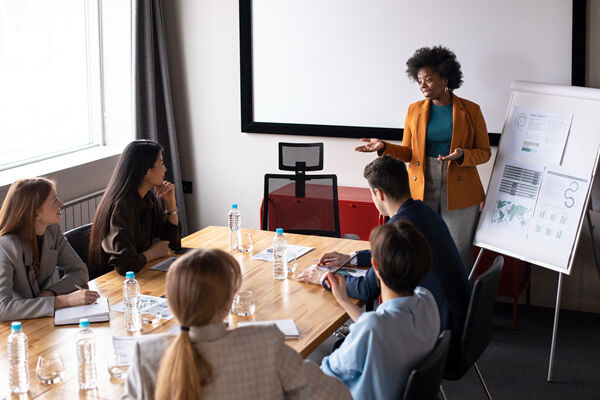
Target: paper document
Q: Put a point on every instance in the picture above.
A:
(516, 197)
(123, 347)
(538, 136)
(293, 251)
(150, 305)
(557, 214)
(97, 312)
(286, 326)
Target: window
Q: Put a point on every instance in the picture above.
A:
(50, 80)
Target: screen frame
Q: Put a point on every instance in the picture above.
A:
(249, 125)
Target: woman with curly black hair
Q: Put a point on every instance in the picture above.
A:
(445, 138)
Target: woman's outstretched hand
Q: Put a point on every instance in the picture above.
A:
(455, 155)
(370, 146)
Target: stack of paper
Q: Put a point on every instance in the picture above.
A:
(97, 312)
(286, 326)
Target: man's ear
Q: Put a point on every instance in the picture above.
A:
(374, 264)
(379, 194)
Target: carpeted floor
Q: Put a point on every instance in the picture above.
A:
(515, 364)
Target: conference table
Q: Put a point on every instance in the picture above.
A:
(313, 309)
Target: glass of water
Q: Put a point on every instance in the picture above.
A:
(117, 365)
(247, 244)
(243, 303)
(50, 368)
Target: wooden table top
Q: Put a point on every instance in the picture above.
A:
(314, 310)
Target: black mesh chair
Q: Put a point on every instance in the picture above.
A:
(424, 380)
(477, 332)
(79, 239)
(306, 204)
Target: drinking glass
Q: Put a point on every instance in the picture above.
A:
(243, 303)
(117, 366)
(293, 264)
(247, 244)
(50, 368)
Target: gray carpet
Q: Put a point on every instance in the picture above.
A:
(515, 364)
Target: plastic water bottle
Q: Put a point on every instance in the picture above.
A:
(18, 360)
(235, 227)
(131, 298)
(86, 355)
(280, 269)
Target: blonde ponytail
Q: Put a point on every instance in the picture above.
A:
(183, 371)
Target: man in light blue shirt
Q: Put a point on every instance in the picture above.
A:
(383, 346)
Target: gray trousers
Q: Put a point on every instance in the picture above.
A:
(462, 222)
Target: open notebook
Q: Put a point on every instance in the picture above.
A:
(286, 326)
(97, 312)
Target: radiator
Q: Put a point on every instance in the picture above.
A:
(80, 211)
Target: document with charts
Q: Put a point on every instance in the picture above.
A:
(538, 136)
(557, 213)
(514, 205)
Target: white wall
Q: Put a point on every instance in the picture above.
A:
(227, 166)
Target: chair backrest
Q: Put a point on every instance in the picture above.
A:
(306, 204)
(424, 381)
(477, 333)
(79, 239)
(300, 157)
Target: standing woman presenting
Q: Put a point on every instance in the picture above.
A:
(445, 138)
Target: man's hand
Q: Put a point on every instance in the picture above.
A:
(333, 259)
(311, 275)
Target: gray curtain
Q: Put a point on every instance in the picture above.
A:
(152, 103)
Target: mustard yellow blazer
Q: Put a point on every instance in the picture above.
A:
(469, 133)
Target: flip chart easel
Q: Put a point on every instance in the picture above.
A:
(539, 192)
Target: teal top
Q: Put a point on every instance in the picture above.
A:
(439, 131)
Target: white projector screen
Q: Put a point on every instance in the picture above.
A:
(341, 63)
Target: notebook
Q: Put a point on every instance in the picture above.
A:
(286, 326)
(97, 312)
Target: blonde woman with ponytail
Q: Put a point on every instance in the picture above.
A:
(31, 247)
(206, 361)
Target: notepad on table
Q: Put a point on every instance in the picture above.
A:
(286, 326)
(97, 312)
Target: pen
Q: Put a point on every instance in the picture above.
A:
(79, 287)
(325, 260)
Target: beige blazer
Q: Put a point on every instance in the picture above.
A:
(18, 296)
(469, 133)
(248, 363)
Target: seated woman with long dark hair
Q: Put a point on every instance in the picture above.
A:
(206, 361)
(131, 227)
(31, 247)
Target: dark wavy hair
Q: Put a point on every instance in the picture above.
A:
(441, 59)
(138, 157)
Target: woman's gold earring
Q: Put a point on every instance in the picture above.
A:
(447, 89)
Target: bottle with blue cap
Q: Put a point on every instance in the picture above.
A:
(18, 360)
(131, 298)
(234, 220)
(280, 268)
(86, 355)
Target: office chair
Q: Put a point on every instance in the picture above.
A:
(477, 332)
(79, 239)
(424, 380)
(301, 203)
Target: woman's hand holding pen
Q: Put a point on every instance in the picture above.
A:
(79, 297)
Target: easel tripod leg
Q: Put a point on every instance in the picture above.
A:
(555, 329)
(475, 264)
